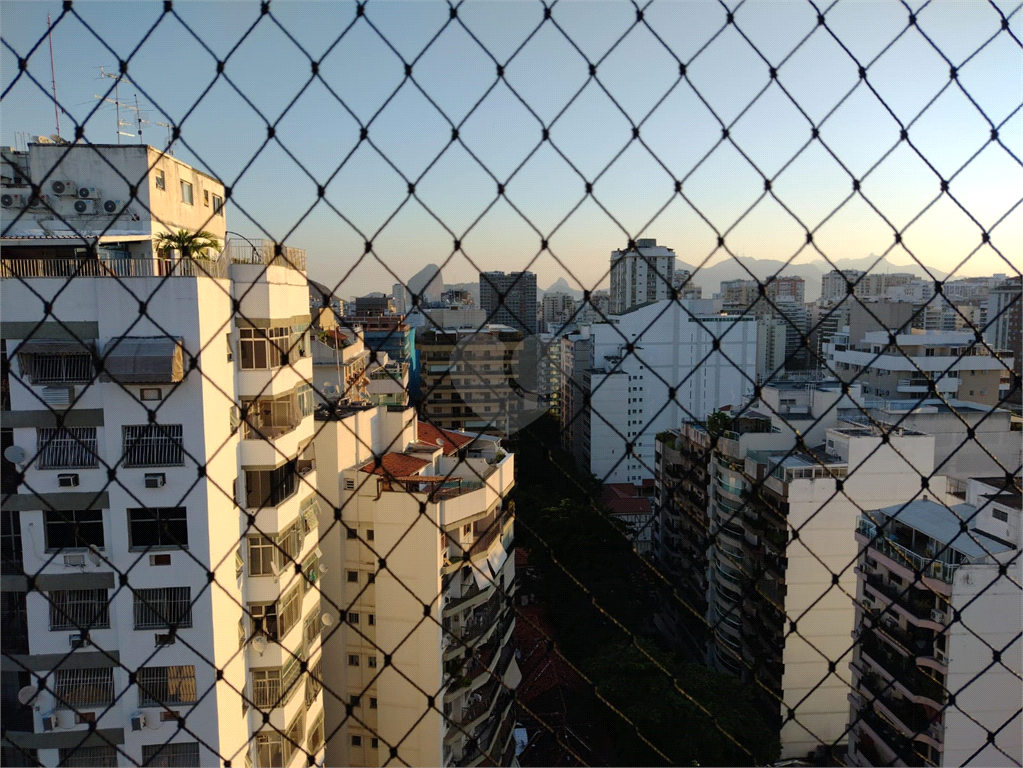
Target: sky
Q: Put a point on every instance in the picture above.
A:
(362, 83)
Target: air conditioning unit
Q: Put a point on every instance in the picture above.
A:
(74, 561)
(111, 206)
(11, 200)
(156, 480)
(940, 656)
(67, 481)
(58, 397)
(38, 201)
(62, 188)
(79, 640)
(85, 193)
(937, 615)
(138, 721)
(50, 721)
(85, 207)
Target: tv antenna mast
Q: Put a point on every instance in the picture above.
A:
(140, 121)
(117, 103)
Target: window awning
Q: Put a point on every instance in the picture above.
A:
(143, 360)
(49, 347)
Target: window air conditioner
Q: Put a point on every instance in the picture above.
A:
(67, 481)
(58, 397)
(50, 721)
(74, 561)
(156, 480)
(138, 722)
(937, 615)
(79, 640)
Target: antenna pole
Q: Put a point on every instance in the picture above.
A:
(138, 114)
(53, 74)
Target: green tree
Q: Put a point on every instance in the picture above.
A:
(717, 423)
(191, 245)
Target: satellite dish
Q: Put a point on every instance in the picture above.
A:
(28, 694)
(56, 139)
(15, 454)
(327, 620)
(323, 568)
(259, 644)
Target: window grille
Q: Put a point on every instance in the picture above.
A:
(291, 610)
(104, 756)
(152, 445)
(163, 607)
(66, 448)
(315, 740)
(312, 627)
(83, 688)
(165, 686)
(270, 750)
(57, 369)
(182, 754)
(313, 683)
(80, 609)
(294, 737)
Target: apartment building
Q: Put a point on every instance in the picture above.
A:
(933, 603)
(654, 366)
(575, 360)
(557, 309)
(641, 274)
(683, 283)
(162, 444)
(509, 299)
(920, 364)
(1005, 330)
(835, 284)
(421, 583)
(470, 378)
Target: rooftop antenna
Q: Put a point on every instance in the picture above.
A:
(53, 73)
(117, 103)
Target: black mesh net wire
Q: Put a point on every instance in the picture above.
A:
(825, 568)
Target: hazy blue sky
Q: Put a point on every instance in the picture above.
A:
(172, 70)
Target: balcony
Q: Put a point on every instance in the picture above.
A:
(902, 669)
(65, 269)
(917, 603)
(909, 718)
(903, 553)
(918, 385)
(265, 253)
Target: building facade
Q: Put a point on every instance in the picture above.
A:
(204, 417)
(640, 275)
(509, 299)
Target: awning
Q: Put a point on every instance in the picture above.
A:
(49, 347)
(143, 360)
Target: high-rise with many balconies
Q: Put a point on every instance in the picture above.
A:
(160, 547)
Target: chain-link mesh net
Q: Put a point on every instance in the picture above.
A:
(490, 545)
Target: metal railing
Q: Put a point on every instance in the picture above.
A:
(66, 448)
(153, 445)
(121, 269)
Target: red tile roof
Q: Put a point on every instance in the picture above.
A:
(395, 465)
(452, 441)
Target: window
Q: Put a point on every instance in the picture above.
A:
(315, 740)
(177, 755)
(354, 701)
(218, 205)
(157, 527)
(353, 577)
(372, 702)
(371, 662)
(374, 742)
(369, 534)
(151, 393)
(163, 607)
(161, 180)
(1000, 514)
(152, 445)
(88, 757)
(291, 610)
(66, 448)
(73, 529)
(269, 488)
(294, 736)
(186, 193)
(270, 750)
(160, 686)
(372, 619)
(81, 609)
(206, 198)
(353, 618)
(56, 369)
(264, 620)
(83, 688)
(351, 533)
(264, 347)
(10, 541)
(356, 740)
(353, 660)
(313, 683)
(311, 627)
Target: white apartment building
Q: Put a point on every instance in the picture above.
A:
(922, 639)
(921, 363)
(772, 335)
(421, 580)
(639, 358)
(762, 487)
(163, 444)
(640, 275)
(557, 310)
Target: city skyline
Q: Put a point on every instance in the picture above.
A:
(455, 72)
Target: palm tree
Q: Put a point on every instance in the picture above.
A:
(191, 245)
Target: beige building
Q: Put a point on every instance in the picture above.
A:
(419, 580)
(921, 364)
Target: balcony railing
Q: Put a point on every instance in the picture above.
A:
(117, 268)
(264, 252)
(935, 569)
